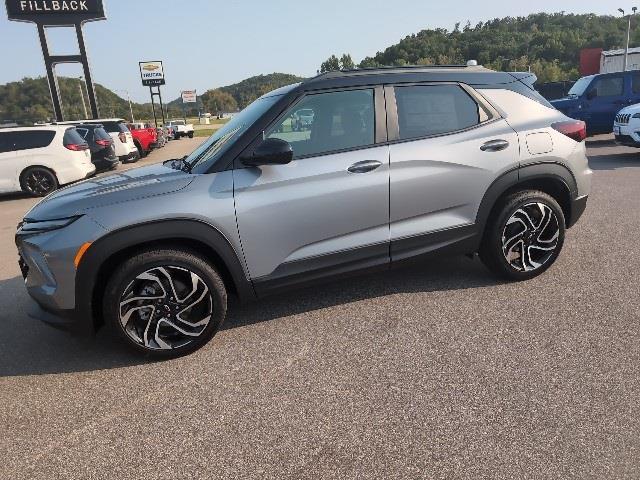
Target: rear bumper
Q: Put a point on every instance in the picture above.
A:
(578, 206)
(131, 157)
(106, 163)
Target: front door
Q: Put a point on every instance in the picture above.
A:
(328, 210)
(605, 97)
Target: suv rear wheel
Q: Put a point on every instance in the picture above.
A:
(525, 236)
(38, 181)
(165, 303)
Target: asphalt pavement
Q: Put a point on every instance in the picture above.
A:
(433, 371)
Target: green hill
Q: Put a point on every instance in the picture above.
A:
(248, 90)
(29, 101)
(549, 44)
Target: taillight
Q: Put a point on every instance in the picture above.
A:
(77, 147)
(103, 143)
(574, 129)
(123, 137)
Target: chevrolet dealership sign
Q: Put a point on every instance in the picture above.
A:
(152, 74)
(55, 12)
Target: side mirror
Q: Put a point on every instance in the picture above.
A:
(272, 151)
(591, 94)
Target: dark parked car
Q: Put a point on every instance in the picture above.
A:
(103, 152)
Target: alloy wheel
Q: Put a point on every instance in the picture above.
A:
(530, 237)
(39, 182)
(165, 308)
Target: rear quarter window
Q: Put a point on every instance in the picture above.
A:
(30, 139)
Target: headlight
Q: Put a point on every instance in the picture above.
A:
(30, 226)
(636, 115)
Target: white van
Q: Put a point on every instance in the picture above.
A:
(37, 160)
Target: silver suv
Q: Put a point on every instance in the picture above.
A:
(397, 164)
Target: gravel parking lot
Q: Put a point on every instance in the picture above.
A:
(435, 371)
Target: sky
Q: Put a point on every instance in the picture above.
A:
(209, 43)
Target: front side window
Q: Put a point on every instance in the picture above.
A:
(609, 87)
(6, 142)
(328, 122)
(425, 110)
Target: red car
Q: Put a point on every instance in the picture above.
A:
(145, 137)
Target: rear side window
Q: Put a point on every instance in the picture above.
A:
(72, 137)
(85, 133)
(27, 140)
(609, 86)
(425, 110)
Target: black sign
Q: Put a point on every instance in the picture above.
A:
(55, 12)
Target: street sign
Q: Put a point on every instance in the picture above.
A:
(152, 73)
(55, 12)
(60, 13)
(189, 96)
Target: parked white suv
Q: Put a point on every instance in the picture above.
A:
(181, 128)
(38, 160)
(117, 129)
(626, 126)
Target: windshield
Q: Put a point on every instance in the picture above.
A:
(178, 122)
(217, 144)
(580, 86)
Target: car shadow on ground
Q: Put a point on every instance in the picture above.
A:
(5, 197)
(615, 161)
(28, 347)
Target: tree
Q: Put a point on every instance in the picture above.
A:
(216, 101)
(333, 63)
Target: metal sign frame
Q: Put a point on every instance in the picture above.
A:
(151, 82)
(43, 18)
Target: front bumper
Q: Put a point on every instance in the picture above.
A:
(628, 134)
(67, 320)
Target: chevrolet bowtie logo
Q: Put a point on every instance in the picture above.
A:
(150, 68)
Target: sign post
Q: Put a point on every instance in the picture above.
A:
(188, 96)
(152, 75)
(60, 13)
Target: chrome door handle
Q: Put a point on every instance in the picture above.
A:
(364, 166)
(494, 146)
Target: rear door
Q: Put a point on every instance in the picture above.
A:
(448, 147)
(328, 210)
(8, 165)
(606, 97)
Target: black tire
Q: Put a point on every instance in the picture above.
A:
(176, 136)
(190, 134)
(532, 240)
(179, 263)
(38, 181)
(141, 151)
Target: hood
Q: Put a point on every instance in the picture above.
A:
(564, 104)
(631, 109)
(110, 190)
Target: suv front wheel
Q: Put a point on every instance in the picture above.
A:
(166, 302)
(525, 235)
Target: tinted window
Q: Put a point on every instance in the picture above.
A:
(101, 134)
(29, 139)
(85, 133)
(609, 86)
(6, 142)
(115, 127)
(635, 83)
(327, 122)
(72, 137)
(434, 109)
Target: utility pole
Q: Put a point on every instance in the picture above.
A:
(84, 105)
(626, 51)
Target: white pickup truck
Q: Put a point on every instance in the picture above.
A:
(180, 128)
